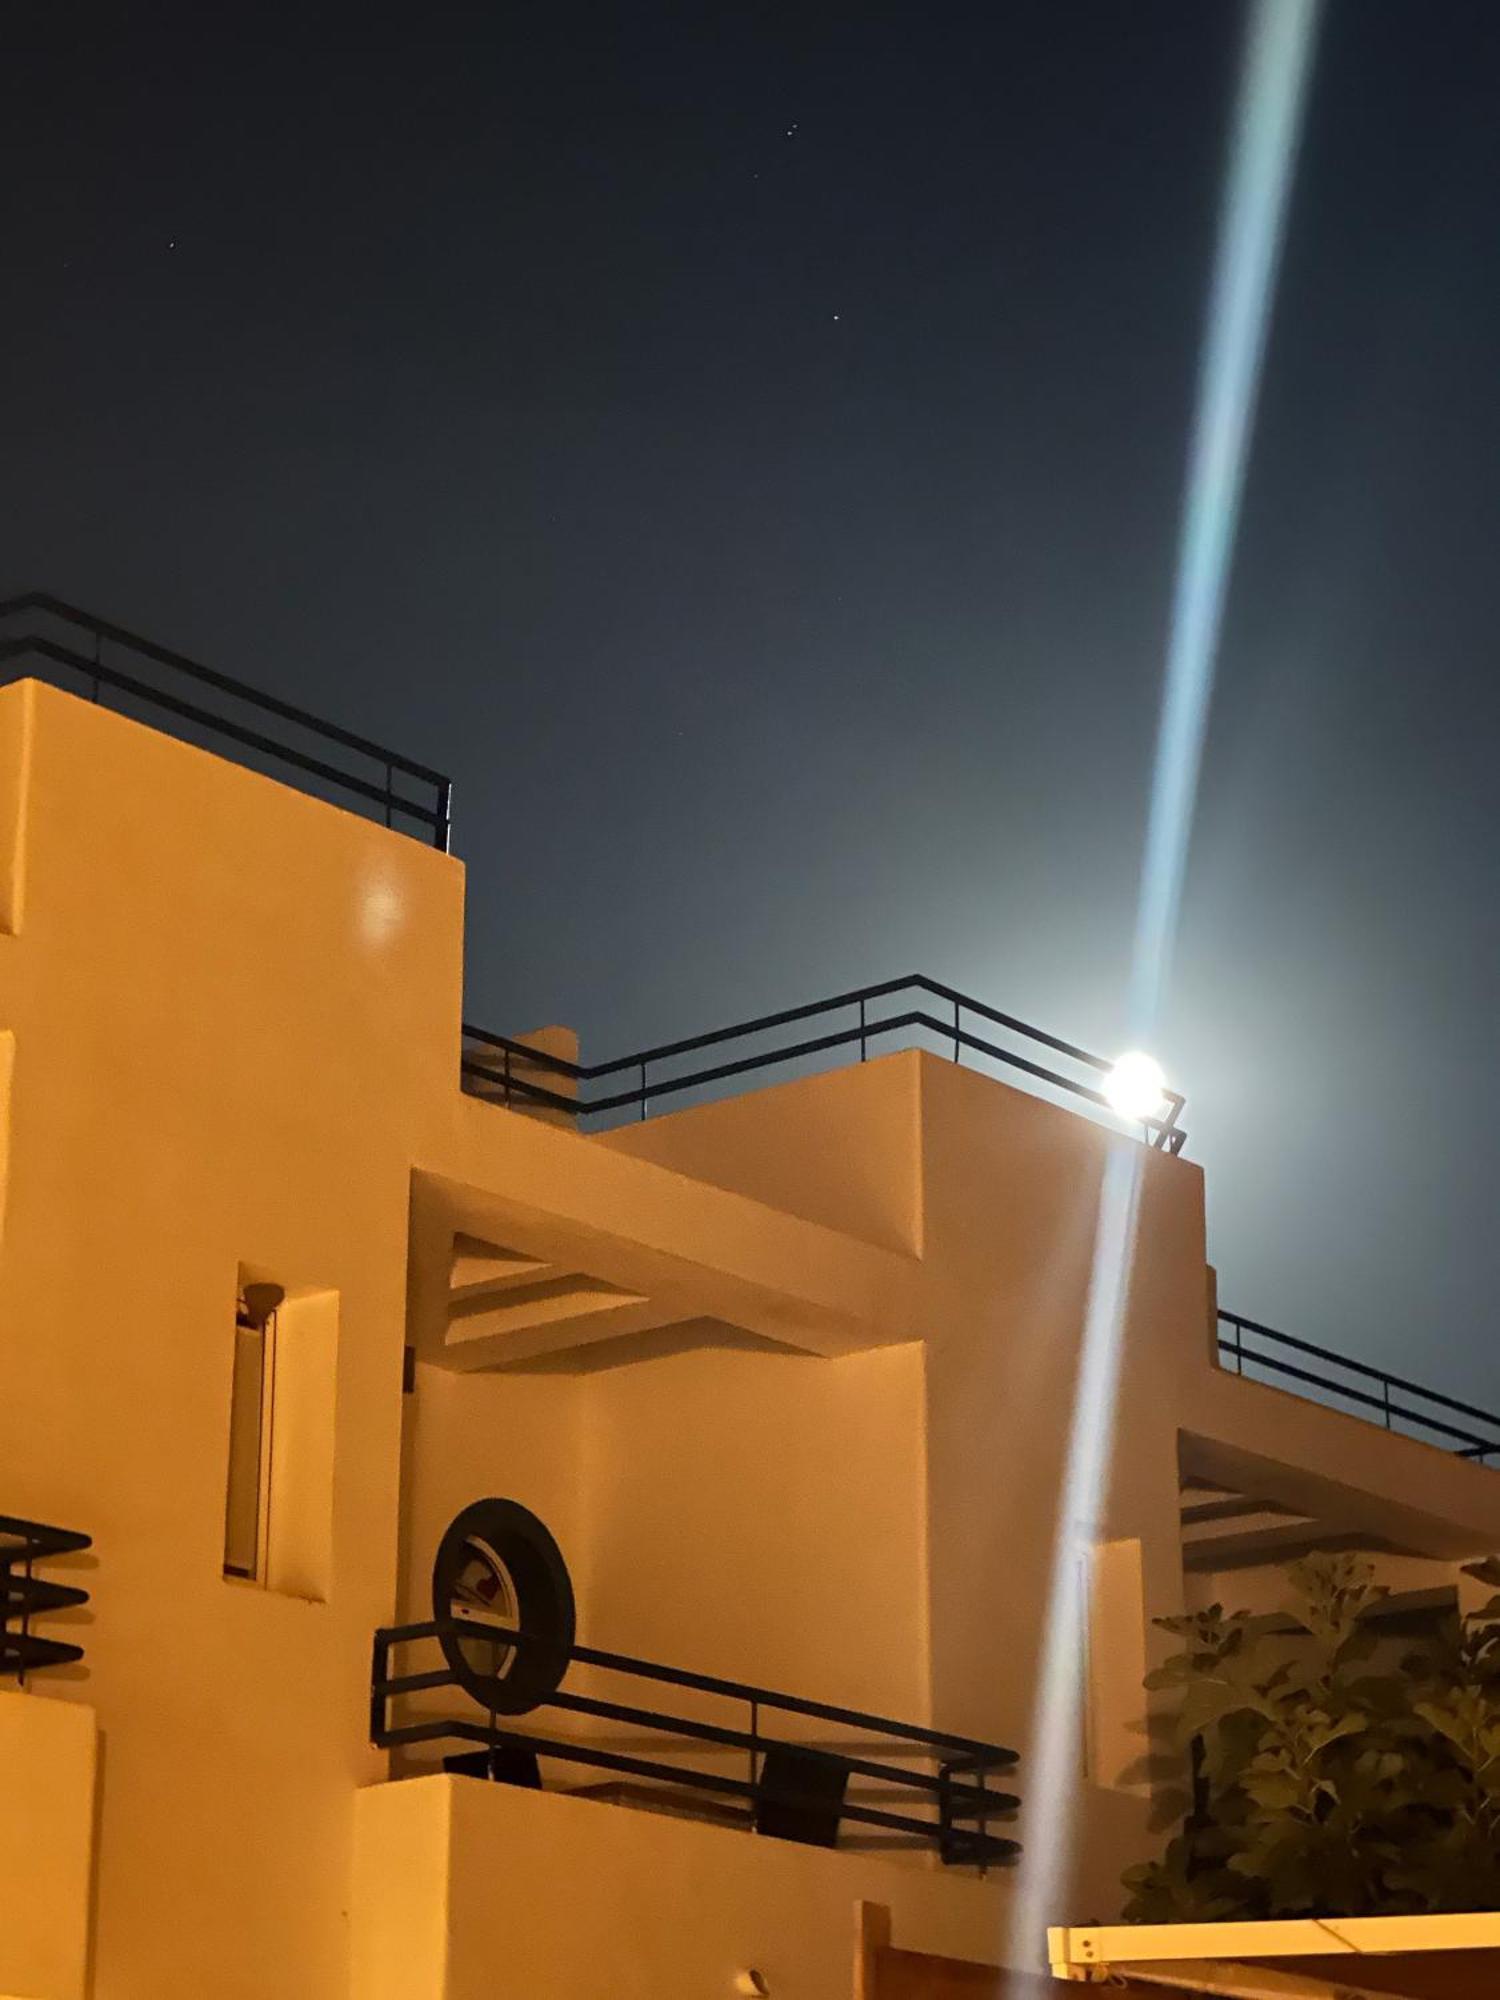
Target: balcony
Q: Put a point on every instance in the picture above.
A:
(466, 1891)
(41, 635)
(910, 1012)
(25, 1596)
(49, 1755)
(1262, 1354)
(748, 1771)
(606, 1823)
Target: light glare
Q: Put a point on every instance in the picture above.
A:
(1268, 119)
(1053, 1780)
(1273, 83)
(1136, 1087)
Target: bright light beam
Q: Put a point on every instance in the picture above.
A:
(1053, 1760)
(1268, 117)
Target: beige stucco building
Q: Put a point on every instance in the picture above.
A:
(787, 1375)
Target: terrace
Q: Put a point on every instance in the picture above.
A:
(45, 637)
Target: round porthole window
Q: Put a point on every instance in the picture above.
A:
(498, 1573)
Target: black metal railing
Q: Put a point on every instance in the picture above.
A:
(951, 1808)
(25, 1596)
(1245, 1346)
(509, 1071)
(379, 782)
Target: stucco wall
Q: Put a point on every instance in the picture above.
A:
(49, 1760)
(843, 1148)
(762, 1516)
(555, 1898)
(235, 1015)
(468, 1437)
(751, 1514)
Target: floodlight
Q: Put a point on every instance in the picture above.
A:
(1136, 1087)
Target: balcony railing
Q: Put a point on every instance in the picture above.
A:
(783, 1786)
(914, 1011)
(1247, 1347)
(25, 1596)
(42, 635)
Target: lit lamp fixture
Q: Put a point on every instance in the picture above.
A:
(1136, 1087)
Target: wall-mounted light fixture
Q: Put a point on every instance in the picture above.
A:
(1136, 1087)
(259, 1301)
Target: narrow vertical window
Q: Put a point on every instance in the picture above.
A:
(278, 1489)
(252, 1424)
(7, 1072)
(1116, 1715)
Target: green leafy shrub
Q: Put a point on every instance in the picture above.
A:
(1325, 1782)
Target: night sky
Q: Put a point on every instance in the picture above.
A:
(745, 447)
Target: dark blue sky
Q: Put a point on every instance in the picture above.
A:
(745, 449)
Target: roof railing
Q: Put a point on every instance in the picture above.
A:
(504, 1069)
(379, 782)
(1393, 1400)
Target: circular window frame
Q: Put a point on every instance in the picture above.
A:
(521, 1547)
